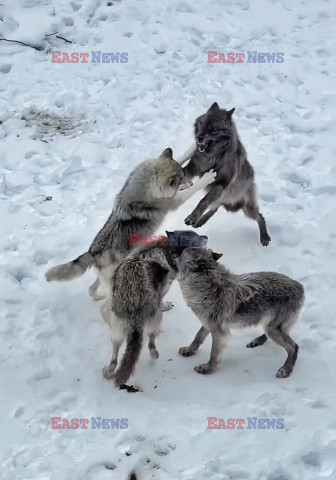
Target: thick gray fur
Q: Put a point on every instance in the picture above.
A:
(133, 307)
(222, 300)
(219, 147)
(152, 190)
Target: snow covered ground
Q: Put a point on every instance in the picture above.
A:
(73, 132)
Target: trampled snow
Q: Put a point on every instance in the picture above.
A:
(70, 135)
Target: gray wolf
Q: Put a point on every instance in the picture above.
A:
(152, 189)
(133, 307)
(222, 300)
(219, 147)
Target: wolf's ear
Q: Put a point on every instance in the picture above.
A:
(230, 113)
(168, 153)
(213, 107)
(216, 256)
(168, 233)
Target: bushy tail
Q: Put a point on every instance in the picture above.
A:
(130, 358)
(68, 271)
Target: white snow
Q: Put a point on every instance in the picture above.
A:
(73, 132)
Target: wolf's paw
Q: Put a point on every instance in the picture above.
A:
(265, 239)
(107, 372)
(253, 344)
(204, 368)
(166, 306)
(129, 388)
(192, 219)
(154, 354)
(186, 351)
(283, 372)
(207, 178)
(200, 222)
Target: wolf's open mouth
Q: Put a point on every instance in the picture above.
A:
(202, 146)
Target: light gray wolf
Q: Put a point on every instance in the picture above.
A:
(222, 300)
(152, 190)
(219, 147)
(133, 307)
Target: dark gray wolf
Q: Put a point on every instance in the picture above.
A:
(132, 309)
(218, 147)
(222, 300)
(150, 192)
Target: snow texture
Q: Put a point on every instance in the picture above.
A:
(73, 132)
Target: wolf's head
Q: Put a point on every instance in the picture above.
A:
(168, 177)
(214, 130)
(179, 240)
(195, 259)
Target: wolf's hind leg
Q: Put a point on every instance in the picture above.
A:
(153, 330)
(219, 340)
(278, 333)
(195, 344)
(251, 210)
(152, 347)
(257, 341)
(108, 370)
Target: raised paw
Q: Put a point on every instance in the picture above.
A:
(200, 222)
(207, 178)
(192, 220)
(252, 344)
(107, 372)
(283, 372)
(204, 368)
(166, 306)
(265, 239)
(186, 351)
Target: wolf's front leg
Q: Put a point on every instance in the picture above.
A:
(183, 196)
(219, 340)
(95, 291)
(195, 344)
(187, 155)
(203, 220)
(166, 306)
(212, 196)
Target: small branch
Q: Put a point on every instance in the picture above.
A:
(22, 43)
(58, 36)
(62, 38)
(39, 49)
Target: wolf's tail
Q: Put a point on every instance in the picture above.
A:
(130, 358)
(68, 271)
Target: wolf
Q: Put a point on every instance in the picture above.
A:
(222, 300)
(153, 188)
(219, 147)
(134, 305)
